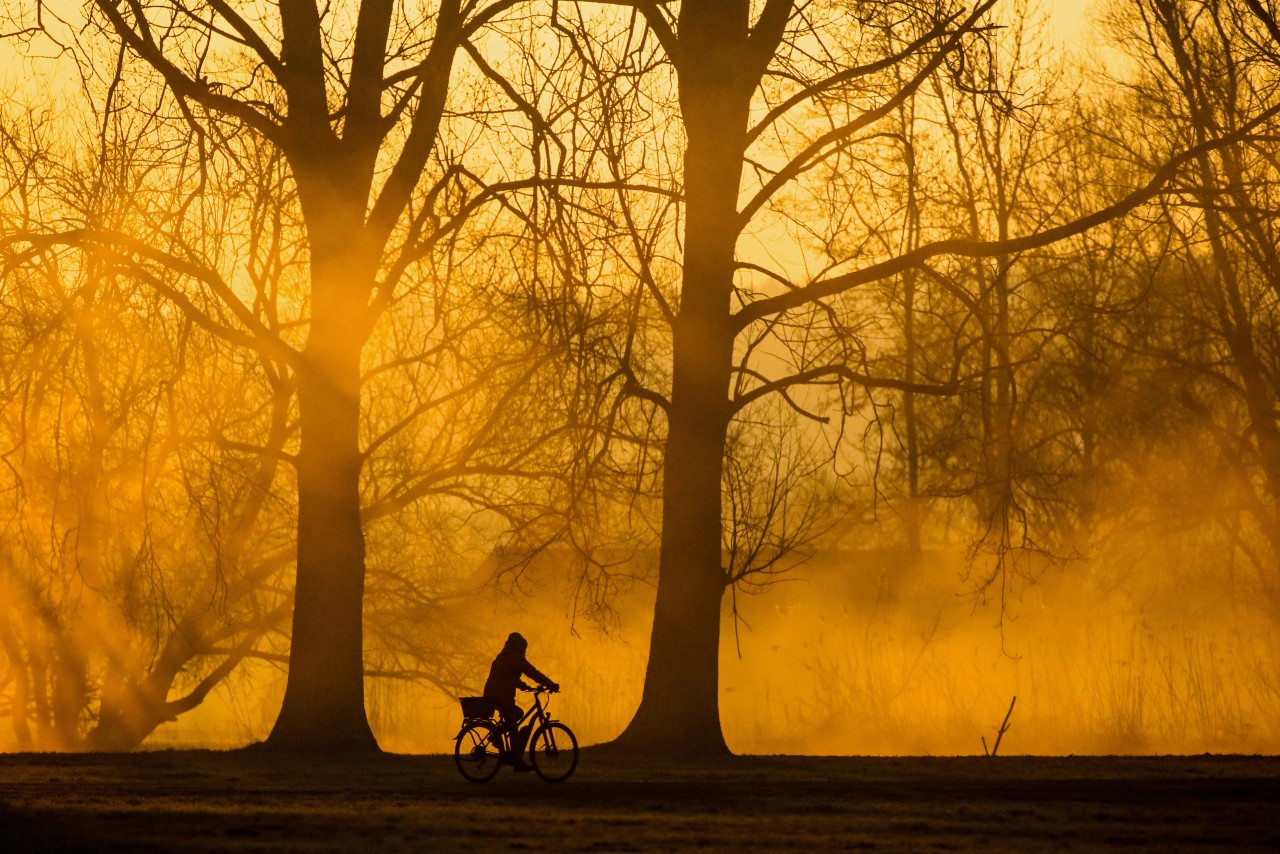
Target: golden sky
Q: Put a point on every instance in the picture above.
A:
(1068, 19)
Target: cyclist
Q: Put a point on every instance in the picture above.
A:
(500, 688)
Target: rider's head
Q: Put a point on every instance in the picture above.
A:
(517, 641)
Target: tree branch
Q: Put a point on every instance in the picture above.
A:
(843, 77)
(814, 151)
(841, 372)
(178, 81)
(258, 337)
(987, 248)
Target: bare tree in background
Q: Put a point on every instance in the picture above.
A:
(1003, 127)
(757, 95)
(353, 101)
(1206, 69)
(144, 543)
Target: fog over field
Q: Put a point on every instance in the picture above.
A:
(866, 653)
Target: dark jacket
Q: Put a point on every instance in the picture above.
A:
(505, 673)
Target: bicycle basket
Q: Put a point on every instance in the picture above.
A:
(476, 707)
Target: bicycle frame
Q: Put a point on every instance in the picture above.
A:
(536, 714)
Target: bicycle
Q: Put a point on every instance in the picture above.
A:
(479, 745)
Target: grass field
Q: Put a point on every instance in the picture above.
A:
(246, 800)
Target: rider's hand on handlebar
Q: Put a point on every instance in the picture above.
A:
(553, 687)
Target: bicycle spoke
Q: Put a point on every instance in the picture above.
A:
(554, 752)
(475, 753)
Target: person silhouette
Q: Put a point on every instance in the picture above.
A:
(500, 689)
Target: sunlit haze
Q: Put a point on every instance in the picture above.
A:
(817, 405)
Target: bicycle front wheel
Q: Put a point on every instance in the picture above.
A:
(554, 752)
(475, 752)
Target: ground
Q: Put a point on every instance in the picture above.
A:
(245, 800)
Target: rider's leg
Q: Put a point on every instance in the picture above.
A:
(521, 740)
(511, 714)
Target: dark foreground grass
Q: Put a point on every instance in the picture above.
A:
(200, 801)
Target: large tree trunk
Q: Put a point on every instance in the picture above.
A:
(323, 706)
(679, 710)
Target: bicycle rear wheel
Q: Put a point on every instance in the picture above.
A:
(553, 751)
(475, 752)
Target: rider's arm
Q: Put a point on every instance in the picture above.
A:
(534, 673)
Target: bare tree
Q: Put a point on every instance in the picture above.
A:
(143, 545)
(1206, 69)
(354, 101)
(786, 97)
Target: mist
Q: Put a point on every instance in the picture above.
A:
(797, 379)
(1158, 643)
